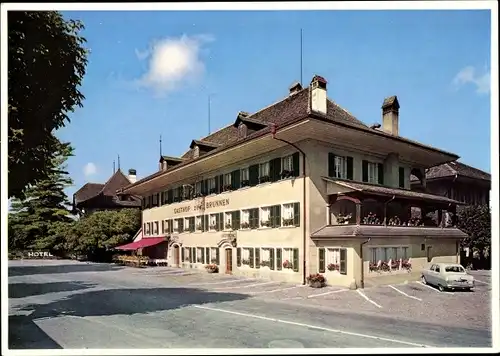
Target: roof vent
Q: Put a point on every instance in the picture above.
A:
(295, 88)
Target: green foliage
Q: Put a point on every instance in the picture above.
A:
(47, 61)
(475, 221)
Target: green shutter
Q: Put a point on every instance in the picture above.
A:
(206, 223)
(253, 175)
(221, 184)
(238, 257)
(257, 257)
(343, 261)
(296, 214)
(216, 185)
(271, 258)
(251, 257)
(193, 254)
(331, 165)
(204, 187)
(365, 170)
(161, 199)
(192, 222)
(401, 177)
(207, 255)
(170, 198)
(235, 220)
(295, 259)
(275, 169)
(235, 179)
(254, 216)
(217, 256)
(321, 252)
(171, 225)
(380, 173)
(163, 227)
(181, 225)
(350, 168)
(277, 216)
(221, 221)
(183, 257)
(295, 165)
(279, 265)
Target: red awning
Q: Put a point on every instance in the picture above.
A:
(145, 242)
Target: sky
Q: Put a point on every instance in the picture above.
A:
(151, 74)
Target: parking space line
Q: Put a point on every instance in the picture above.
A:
(247, 286)
(477, 280)
(368, 299)
(434, 289)
(403, 293)
(308, 326)
(274, 290)
(326, 293)
(222, 282)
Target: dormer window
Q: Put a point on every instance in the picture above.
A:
(242, 130)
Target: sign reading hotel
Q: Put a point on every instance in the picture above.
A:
(206, 206)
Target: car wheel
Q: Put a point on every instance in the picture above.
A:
(424, 281)
(441, 288)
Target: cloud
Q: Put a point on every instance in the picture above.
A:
(89, 169)
(468, 75)
(173, 62)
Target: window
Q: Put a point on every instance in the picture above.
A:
(176, 225)
(275, 216)
(402, 177)
(290, 214)
(156, 223)
(267, 258)
(333, 259)
(403, 253)
(186, 224)
(245, 177)
(287, 164)
(287, 257)
(187, 254)
(245, 256)
(175, 193)
(340, 167)
(343, 261)
(200, 256)
(265, 216)
(227, 221)
(227, 182)
(213, 222)
(373, 255)
(214, 255)
(245, 216)
(199, 223)
(235, 220)
(190, 224)
(372, 172)
(422, 247)
(148, 229)
(197, 189)
(279, 258)
(180, 224)
(264, 172)
(211, 186)
(254, 218)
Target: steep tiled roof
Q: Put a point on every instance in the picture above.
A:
(90, 190)
(454, 168)
(391, 231)
(87, 191)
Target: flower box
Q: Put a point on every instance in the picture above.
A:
(227, 187)
(199, 227)
(316, 280)
(374, 267)
(213, 191)
(394, 265)
(228, 226)
(333, 267)
(245, 225)
(406, 265)
(245, 183)
(212, 268)
(385, 266)
(343, 219)
(287, 264)
(197, 195)
(264, 179)
(265, 223)
(245, 262)
(286, 173)
(287, 222)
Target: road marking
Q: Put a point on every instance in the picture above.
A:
(403, 293)
(477, 280)
(222, 282)
(368, 299)
(434, 289)
(309, 326)
(247, 286)
(326, 293)
(275, 290)
(292, 298)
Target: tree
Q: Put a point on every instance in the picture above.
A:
(46, 65)
(35, 220)
(475, 221)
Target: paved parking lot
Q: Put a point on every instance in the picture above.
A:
(167, 307)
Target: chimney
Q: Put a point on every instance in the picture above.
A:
(318, 94)
(196, 151)
(295, 88)
(132, 175)
(390, 115)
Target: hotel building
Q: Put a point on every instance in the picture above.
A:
(301, 187)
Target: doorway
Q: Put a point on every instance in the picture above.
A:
(429, 254)
(177, 256)
(229, 260)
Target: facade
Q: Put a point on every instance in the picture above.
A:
(458, 181)
(296, 188)
(95, 196)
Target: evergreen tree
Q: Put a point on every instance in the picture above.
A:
(36, 221)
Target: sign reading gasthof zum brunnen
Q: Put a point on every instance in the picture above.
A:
(206, 206)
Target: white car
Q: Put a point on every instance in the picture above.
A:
(447, 276)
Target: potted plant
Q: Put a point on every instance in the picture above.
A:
(199, 227)
(287, 221)
(333, 267)
(245, 225)
(264, 179)
(265, 223)
(394, 264)
(245, 262)
(406, 265)
(212, 268)
(265, 263)
(343, 219)
(371, 219)
(373, 267)
(287, 264)
(228, 226)
(227, 187)
(316, 280)
(385, 266)
(245, 183)
(285, 173)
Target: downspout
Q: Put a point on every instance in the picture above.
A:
(304, 210)
(362, 262)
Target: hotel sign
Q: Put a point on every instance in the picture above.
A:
(197, 207)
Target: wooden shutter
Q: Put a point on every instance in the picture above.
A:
(350, 168)
(217, 255)
(295, 259)
(221, 183)
(238, 257)
(170, 197)
(276, 216)
(275, 169)
(331, 165)
(279, 263)
(380, 173)
(296, 214)
(193, 254)
(271, 258)
(235, 220)
(220, 222)
(161, 199)
(295, 164)
(321, 267)
(207, 255)
(206, 222)
(162, 227)
(251, 257)
(365, 170)
(253, 175)
(181, 225)
(204, 187)
(343, 261)
(192, 224)
(183, 254)
(257, 257)
(216, 185)
(171, 226)
(401, 177)
(235, 179)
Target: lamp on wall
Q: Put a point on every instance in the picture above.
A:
(234, 242)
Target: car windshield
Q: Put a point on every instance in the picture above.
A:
(455, 269)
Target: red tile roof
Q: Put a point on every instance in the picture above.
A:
(454, 168)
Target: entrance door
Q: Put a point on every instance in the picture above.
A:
(429, 253)
(177, 256)
(229, 260)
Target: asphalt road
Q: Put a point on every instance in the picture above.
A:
(65, 304)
